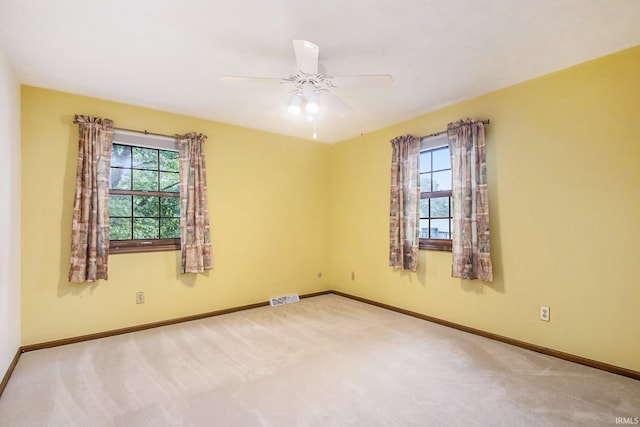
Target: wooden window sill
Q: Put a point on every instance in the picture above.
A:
(137, 246)
(435, 245)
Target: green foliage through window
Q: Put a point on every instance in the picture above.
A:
(436, 210)
(144, 201)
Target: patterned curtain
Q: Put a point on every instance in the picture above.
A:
(195, 232)
(90, 229)
(470, 246)
(404, 216)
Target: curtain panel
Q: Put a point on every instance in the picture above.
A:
(195, 234)
(471, 244)
(404, 211)
(90, 227)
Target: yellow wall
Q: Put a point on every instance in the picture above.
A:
(268, 202)
(564, 176)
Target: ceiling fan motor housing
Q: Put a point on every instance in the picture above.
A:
(307, 84)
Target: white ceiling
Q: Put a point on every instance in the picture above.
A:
(170, 54)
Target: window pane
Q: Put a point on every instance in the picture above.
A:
(145, 180)
(425, 182)
(120, 179)
(139, 216)
(170, 181)
(121, 156)
(145, 158)
(425, 161)
(424, 228)
(424, 208)
(145, 228)
(120, 229)
(441, 181)
(441, 159)
(169, 161)
(170, 207)
(169, 228)
(439, 207)
(119, 205)
(439, 229)
(146, 206)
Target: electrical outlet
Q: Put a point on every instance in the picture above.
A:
(545, 313)
(140, 298)
(353, 275)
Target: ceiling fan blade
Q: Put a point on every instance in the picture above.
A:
(372, 80)
(335, 104)
(306, 56)
(245, 79)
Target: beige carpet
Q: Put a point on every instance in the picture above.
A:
(325, 361)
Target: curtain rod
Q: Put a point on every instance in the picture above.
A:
(486, 122)
(146, 132)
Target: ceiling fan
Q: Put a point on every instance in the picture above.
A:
(310, 90)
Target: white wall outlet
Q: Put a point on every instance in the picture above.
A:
(140, 298)
(545, 313)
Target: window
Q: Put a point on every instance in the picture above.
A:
(144, 194)
(436, 210)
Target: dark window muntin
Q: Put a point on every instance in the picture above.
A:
(431, 145)
(153, 142)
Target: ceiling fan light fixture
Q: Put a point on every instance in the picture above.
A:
(312, 106)
(295, 105)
